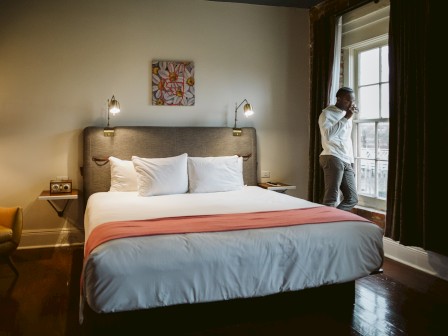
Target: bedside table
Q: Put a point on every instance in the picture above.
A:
(50, 198)
(279, 187)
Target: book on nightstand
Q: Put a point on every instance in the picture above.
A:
(276, 186)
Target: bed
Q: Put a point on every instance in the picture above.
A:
(263, 242)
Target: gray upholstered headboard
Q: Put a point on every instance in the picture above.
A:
(156, 142)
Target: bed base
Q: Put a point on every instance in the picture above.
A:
(336, 300)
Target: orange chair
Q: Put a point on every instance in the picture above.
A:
(11, 222)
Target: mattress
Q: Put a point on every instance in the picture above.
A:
(154, 271)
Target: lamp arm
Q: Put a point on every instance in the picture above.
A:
(236, 109)
(108, 112)
(245, 100)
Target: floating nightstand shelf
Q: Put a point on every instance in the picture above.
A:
(279, 187)
(50, 198)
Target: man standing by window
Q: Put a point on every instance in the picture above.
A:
(336, 159)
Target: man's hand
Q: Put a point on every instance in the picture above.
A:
(348, 114)
(350, 111)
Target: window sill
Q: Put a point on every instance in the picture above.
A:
(376, 216)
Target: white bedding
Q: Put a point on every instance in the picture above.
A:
(146, 272)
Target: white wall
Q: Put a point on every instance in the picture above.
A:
(61, 60)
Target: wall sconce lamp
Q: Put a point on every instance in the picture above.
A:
(113, 106)
(248, 111)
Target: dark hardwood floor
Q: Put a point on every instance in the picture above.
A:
(44, 300)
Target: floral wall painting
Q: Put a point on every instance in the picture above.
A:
(173, 83)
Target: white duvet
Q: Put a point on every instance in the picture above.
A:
(154, 271)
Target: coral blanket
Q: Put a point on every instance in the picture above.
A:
(215, 223)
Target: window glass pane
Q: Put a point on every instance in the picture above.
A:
(385, 101)
(369, 67)
(368, 102)
(385, 64)
(366, 177)
(383, 141)
(366, 140)
(382, 179)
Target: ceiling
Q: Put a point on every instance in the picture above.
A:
(282, 3)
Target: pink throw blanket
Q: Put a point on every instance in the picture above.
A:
(215, 223)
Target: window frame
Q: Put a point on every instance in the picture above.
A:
(351, 53)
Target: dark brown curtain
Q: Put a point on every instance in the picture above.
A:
(323, 32)
(417, 182)
(414, 215)
(322, 20)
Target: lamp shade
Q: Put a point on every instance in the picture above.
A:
(114, 106)
(248, 111)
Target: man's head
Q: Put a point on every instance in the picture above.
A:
(345, 98)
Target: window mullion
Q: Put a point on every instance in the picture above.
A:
(376, 159)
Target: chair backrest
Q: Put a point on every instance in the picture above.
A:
(12, 218)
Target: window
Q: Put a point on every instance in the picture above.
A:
(366, 70)
(371, 124)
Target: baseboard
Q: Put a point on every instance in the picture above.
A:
(418, 258)
(51, 238)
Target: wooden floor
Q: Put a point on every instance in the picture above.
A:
(44, 300)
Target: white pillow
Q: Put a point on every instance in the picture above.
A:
(122, 175)
(214, 174)
(161, 176)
